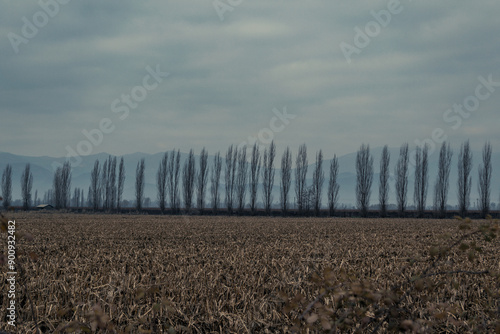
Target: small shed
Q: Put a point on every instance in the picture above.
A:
(44, 207)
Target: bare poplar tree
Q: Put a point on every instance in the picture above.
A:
(421, 178)
(188, 177)
(364, 178)
(383, 189)
(484, 184)
(94, 193)
(401, 172)
(241, 179)
(227, 179)
(234, 174)
(161, 182)
(268, 176)
(254, 176)
(121, 183)
(139, 184)
(66, 184)
(464, 178)
(62, 186)
(318, 179)
(57, 188)
(35, 200)
(108, 184)
(173, 180)
(230, 176)
(442, 181)
(300, 177)
(202, 179)
(76, 198)
(333, 186)
(103, 182)
(215, 182)
(7, 186)
(286, 179)
(112, 184)
(26, 185)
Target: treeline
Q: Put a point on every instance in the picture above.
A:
(245, 170)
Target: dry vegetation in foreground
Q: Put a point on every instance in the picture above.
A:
(160, 274)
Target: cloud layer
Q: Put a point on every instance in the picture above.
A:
(227, 76)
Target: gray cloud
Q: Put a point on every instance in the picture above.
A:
(227, 76)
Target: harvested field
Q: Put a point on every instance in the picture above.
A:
(217, 274)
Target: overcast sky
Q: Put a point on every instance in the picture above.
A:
(345, 72)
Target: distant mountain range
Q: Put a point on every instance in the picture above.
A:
(42, 169)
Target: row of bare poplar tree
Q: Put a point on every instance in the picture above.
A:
(364, 169)
(59, 195)
(242, 173)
